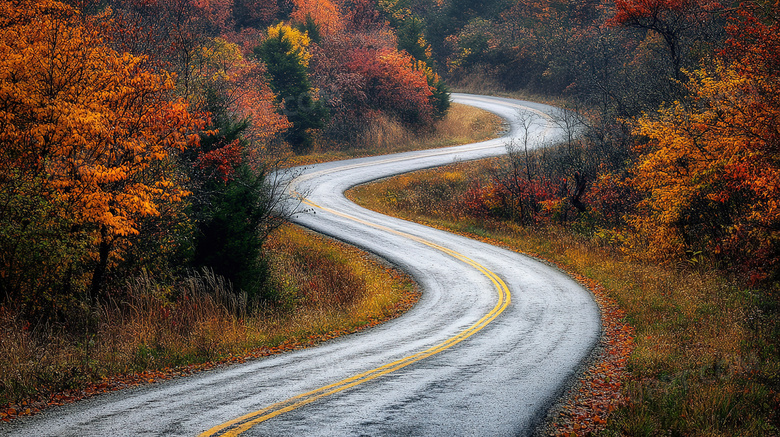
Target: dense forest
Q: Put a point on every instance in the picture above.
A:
(138, 134)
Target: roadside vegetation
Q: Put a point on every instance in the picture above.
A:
(138, 228)
(136, 140)
(462, 125)
(160, 329)
(705, 345)
(316, 288)
(664, 188)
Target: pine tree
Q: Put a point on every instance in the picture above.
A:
(286, 59)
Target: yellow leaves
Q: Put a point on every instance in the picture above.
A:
(221, 68)
(712, 151)
(300, 41)
(218, 58)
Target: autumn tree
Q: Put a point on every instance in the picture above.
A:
(392, 85)
(325, 14)
(172, 33)
(255, 14)
(225, 81)
(88, 140)
(710, 168)
(362, 16)
(680, 23)
(411, 39)
(451, 16)
(233, 202)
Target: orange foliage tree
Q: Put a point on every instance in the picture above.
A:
(227, 82)
(364, 77)
(324, 13)
(88, 137)
(711, 168)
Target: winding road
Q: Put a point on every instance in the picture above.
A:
(488, 348)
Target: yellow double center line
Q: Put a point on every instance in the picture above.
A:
(245, 422)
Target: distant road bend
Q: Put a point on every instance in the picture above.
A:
(489, 347)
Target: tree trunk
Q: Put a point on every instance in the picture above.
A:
(575, 199)
(98, 275)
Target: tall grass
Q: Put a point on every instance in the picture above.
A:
(324, 288)
(706, 360)
(462, 125)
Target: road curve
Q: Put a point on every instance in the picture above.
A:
(488, 348)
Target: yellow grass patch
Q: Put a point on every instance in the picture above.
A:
(462, 125)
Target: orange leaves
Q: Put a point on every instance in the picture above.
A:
(631, 11)
(12, 412)
(393, 84)
(600, 388)
(710, 168)
(86, 134)
(324, 13)
(220, 68)
(95, 117)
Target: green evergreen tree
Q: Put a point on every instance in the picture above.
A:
(440, 98)
(230, 240)
(289, 80)
(311, 29)
(411, 37)
(233, 215)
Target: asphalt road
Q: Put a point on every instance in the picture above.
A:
(489, 347)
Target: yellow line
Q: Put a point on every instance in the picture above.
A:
(247, 421)
(243, 423)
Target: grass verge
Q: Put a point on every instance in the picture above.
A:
(700, 353)
(462, 125)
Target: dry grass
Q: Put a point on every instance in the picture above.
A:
(462, 125)
(324, 289)
(331, 285)
(484, 84)
(706, 360)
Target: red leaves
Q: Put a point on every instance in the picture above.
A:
(710, 171)
(633, 12)
(324, 13)
(599, 394)
(754, 44)
(392, 84)
(223, 161)
(528, 201)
